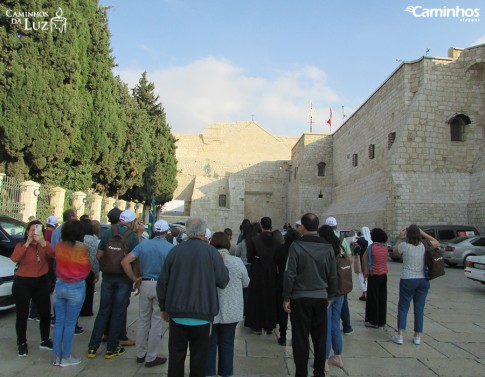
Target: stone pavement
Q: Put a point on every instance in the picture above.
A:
(453, 343)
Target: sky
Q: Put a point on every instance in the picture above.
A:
(215, 61)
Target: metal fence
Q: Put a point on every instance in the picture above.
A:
(44, 207)
(10, 192)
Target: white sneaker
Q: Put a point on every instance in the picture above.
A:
(68, 361)
(397, 339)
(417, 340)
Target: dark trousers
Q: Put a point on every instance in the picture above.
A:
(376, 304)
(25, 289)
(197, 339)
(282, 317)
(345, 315)
(309, 317)
(87, 309)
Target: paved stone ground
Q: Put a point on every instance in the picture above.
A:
(453, 343)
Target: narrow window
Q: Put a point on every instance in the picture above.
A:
(296, 171)
(390, 139)
(222, 200)
(457, 127)
(372, 151)
(355, 159)
(321, 169)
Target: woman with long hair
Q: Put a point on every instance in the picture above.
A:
(375, 270)
(231, 309)
(413, 284)
(334, 335)
(72, 267)
(31, 283)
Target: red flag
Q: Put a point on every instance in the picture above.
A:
(329, 121)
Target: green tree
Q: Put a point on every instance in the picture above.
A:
(159, 178)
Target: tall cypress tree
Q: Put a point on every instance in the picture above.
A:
(159, 178)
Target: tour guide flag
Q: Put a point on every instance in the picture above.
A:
(152, 217)
(329, 121)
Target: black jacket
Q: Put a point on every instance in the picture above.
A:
(187, 287)
(311, 270)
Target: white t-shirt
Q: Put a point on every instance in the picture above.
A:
(412, 260)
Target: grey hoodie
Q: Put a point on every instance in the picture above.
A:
(311, 270)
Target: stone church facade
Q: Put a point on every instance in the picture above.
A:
(413, 152)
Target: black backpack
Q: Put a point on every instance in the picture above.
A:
(116, 249)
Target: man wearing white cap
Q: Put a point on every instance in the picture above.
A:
(345, 314)
(151, 254)
(50, 225)
(115, 289)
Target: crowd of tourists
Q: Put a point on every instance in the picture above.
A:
(204, 284)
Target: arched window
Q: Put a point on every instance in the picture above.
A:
(457, 127)
(321, 167)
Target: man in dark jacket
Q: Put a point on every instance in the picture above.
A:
(310, 281)
(187, 295)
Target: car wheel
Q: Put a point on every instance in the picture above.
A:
(464, 259)
(451, 264)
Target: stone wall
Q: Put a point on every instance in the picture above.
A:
(392, 162)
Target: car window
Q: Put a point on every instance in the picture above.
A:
(431, 232)
(3, 237)
(446, 234)
(457, 239)
(462, 233)
(478, 242)
(13, 230)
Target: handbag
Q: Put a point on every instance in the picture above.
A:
(434, 264)
(344, 274)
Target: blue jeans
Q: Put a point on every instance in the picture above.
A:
(68, 301)
(334, 335)
(416, 290)
(222, 343)
(345, 314)
(115, 295)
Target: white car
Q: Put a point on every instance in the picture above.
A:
(7, 269)
(475, 268)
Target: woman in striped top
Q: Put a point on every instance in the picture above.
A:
(72, 267)
(413, 285)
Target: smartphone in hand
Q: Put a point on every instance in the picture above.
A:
(38, 229)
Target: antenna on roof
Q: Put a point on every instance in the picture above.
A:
(252, 117)
(311, 117)
(343, 114)
(427, 50)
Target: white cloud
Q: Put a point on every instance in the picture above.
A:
(214, 89)
(479, 41)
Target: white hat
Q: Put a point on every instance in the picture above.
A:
(332, 221)
(208, 234)
(160, 226)
(52, 221)
(127, 216)
(298, 223)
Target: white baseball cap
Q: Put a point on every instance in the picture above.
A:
(208, 234)
(160, 226)
(127, 216)
(52, 221)
(332, 221)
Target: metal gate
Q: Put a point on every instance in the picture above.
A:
(10, 191)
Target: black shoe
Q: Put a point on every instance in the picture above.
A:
(348, 331)
(282, 342)
(157, 361)
(257, 331)
(78, 330)
(140, 360)
(46, 344)
(362, 298)
(23, 349)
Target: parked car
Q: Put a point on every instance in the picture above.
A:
(475, 268)
(457, 250)
(7, 269)
(11, 233)
(442, 233)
